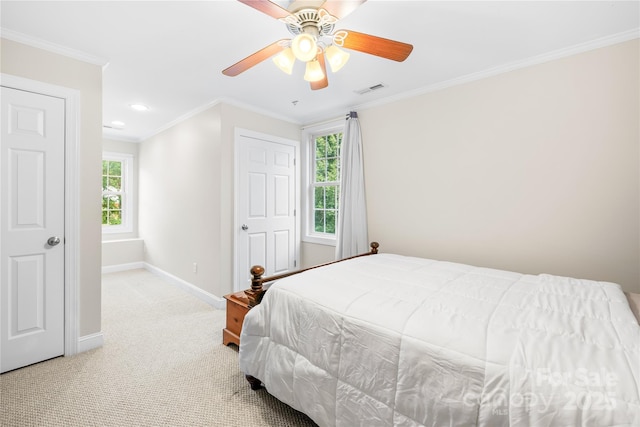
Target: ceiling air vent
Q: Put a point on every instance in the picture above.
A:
(370, 88)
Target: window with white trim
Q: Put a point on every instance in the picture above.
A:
(323, 181)
(117, 206)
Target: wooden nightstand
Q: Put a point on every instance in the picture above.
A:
(237, 308)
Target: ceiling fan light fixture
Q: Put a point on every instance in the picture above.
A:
(304, 47)
(336, 57)
(285, 60)
(314, 72)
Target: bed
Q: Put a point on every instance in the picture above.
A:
(390, 340)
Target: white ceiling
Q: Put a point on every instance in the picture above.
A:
(169, 55)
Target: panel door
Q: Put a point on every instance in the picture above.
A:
(266, 207)
(31, 228)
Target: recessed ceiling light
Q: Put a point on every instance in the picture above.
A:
(139, 107)
(117, 123)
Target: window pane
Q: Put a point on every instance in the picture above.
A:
(115, 184)
(105, 202)
(105, 167)
(319, 221)
(105, 218)
(332, 170)
(115, 218)
(321, 170)
(114, 202)
(319, 197)
(330, 222)
(332, 145)
(115, 168)
(321, 150)
(330, 201)
(104, 183)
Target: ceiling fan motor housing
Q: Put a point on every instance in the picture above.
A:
(309, 21)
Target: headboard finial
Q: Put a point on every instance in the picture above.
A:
(256, 271)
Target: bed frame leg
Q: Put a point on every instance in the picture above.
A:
(255, 383)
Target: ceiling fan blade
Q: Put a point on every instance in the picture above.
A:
(255, 58)
(267, 7)
(320, 84)
(341, 8)
(373, 45)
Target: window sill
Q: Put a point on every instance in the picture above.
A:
(116, 229)
(327, 241)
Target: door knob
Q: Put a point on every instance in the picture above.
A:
(52, 241)
(245, 227)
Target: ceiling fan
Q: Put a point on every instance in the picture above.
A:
(314, 38)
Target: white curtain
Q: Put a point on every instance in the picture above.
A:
(351, 233)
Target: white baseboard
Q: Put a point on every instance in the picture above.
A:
(205, 296)
(89, 342)
(122, 267)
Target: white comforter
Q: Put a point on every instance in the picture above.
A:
(386, 340)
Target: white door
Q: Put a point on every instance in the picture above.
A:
(31, 228)
(266, 201)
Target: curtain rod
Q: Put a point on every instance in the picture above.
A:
(335, 119)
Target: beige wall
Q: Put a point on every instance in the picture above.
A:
(314, 254)
(36, 64)
(535, 170)
(118, 253)
(179, 193)
(186, 194)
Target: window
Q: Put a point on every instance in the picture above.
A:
(116, 193)
(326, 183)
(323, 179)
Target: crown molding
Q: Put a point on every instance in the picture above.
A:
(181, 119)
(512, 66)
(53, 47)
(114, 137)
(223, 100)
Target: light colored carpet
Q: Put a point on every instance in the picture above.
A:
(162, 364)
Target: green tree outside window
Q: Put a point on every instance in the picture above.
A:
(326, 183)
(111, 192)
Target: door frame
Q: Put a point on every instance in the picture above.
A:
(71, 99)
(240, 132)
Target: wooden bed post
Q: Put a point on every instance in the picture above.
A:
(255, 294)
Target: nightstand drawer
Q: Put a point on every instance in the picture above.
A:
(235, 317)
(237, 308)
